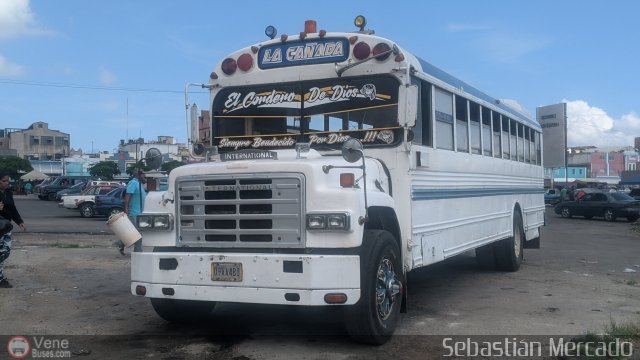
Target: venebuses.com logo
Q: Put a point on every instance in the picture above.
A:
(38, 347)
(18, 347)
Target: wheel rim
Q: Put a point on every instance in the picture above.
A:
(565, 212)
(608, 215)
(388, 286)
(86, 211)
(517, 242)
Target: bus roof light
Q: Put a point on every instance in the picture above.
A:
(254, 49)
(322, 33)
(381, 51)
(399, 57)
(271, 31)
(283, 37)
(360, 22)
(213, 75)
(353, 39)
(362, 50)
(347, 180)
(229, 66)
(245, 62)
(303, 35)
(310, 26)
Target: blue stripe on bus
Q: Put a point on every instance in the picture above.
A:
(435, 194)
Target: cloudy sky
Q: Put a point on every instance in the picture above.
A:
(109, 70)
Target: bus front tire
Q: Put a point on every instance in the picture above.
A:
(182, 311)
(375, 317)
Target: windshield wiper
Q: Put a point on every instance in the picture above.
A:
(340, 70)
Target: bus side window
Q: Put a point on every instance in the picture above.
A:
(520, 144)
(497, 148)
(538, 148)
(444, 119)
(527, 144)
(486, 131)
(532, 150)
(474, 129)
(513, 129)
(462, 124)
(423, 127)
(505, 137)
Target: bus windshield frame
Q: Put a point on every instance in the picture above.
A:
(323, 113)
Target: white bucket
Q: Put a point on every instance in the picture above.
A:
(124, 228)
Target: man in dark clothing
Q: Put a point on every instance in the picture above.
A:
(8, 211)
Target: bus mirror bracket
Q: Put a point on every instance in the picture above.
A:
(352, 151)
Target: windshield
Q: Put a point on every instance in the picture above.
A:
(622, 196)
(324, 113)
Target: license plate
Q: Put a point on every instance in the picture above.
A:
(226, 271)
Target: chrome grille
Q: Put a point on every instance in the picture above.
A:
(259, 210)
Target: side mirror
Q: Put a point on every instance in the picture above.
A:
(153, 158)
(411, 105)
(195, 124)
(352, 150)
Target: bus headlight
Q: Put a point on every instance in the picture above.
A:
(334, 222)
(154, 222)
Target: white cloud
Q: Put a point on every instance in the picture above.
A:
(590, 125)
(17, 19)
(106, 76)
(9, 69)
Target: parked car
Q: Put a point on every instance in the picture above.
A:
(86, 200)
(75, 189)
(49, 192)
(609, 205)
(110, 203)
(552, 196)
(43, 183)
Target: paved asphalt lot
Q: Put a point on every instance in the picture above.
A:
(69, 280)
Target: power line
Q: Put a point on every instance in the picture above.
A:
(84, 86)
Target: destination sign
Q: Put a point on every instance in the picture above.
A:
(318, 51)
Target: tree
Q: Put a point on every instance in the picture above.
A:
(131, 169)
(14, 166)
(105, 170)
(170, 165)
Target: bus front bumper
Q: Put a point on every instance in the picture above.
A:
(247, 278)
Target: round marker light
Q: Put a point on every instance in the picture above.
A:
(360, 22)
(381, 48)
(271, 31)
(245, 62)
(361, 51)
(229, 66)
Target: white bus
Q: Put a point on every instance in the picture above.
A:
(336, 163)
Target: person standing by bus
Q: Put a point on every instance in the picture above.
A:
(134, 205)
(8, 212)
(563, 194)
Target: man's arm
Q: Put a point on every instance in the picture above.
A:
(127, 198)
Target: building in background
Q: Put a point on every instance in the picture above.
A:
(132, 150)
(37, 142)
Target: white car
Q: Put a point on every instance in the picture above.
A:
(86, 200)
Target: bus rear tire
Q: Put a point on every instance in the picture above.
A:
(182, 311)
(375, 317)
(509, 252)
